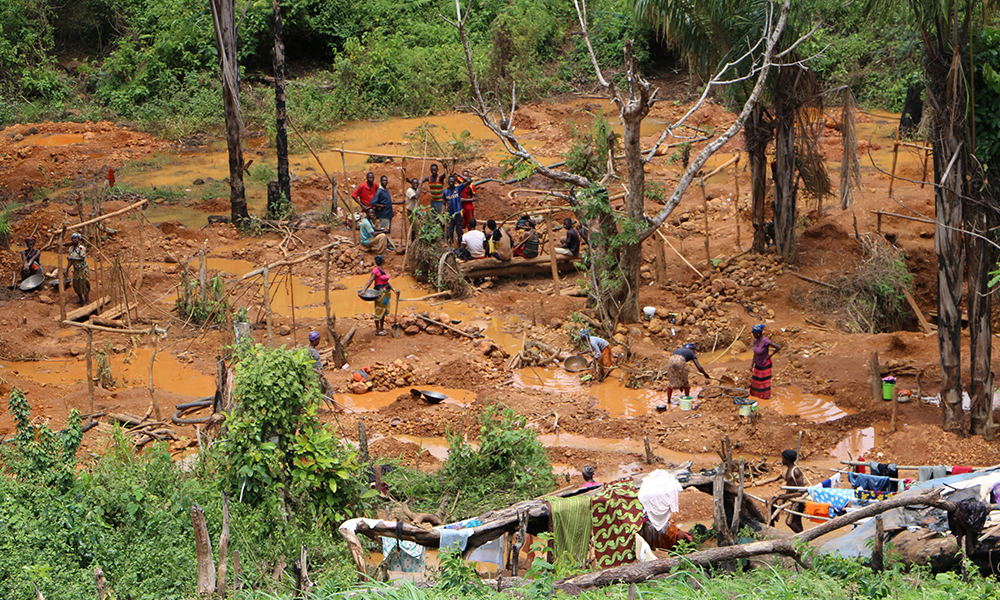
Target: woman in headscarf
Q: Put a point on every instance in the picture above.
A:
(677, 369)
(381, 280)
(763, 350)
(81, 270)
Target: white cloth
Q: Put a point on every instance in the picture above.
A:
(352, 524)
(412, 196)
(660, 497)
(643, 552)
(454, 538)
(475, 241)
(491, 552)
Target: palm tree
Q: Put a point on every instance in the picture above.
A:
(709, 33)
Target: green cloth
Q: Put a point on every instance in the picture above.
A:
(571, 523)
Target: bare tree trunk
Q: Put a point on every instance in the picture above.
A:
(756, 135)
(982, 258)
(203, 548)
(224, 18)
(784, 172)
(281, 138)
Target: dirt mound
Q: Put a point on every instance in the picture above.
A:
(408, 453)
(459, 373)
(213, 205)
(930, 445)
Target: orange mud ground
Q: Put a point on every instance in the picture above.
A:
(821, 376)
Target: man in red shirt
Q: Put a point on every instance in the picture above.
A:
(468, 197)
(364, 193)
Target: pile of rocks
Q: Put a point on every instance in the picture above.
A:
(383, 378)
(412, 324)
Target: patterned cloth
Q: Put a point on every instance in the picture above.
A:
(838, 498)
(760, 381)
(617, 515)
(866, 495)
(382, 304)
(677, 371)
(571, 525)
(403, 556)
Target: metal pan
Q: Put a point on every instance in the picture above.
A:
(369, 295)
(575, 364)
(432, 397)
(33, 283)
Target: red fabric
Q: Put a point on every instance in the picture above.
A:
(959, 470)
(468, 212)
(860, 468)
(111, 178)
(364, 193)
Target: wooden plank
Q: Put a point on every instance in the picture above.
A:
(924, 323)
(108, 216)
(87, 310)
(117, 311)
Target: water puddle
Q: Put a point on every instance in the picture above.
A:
(129, 369)
(611, 395)
(373, 401)
(55, 139)
(791, 401)
(860, 441)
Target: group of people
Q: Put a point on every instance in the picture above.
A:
(453, 196)
(31, 264)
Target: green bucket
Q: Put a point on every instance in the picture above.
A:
(887, 390)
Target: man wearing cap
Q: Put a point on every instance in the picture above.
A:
(81, 270)
(677, 369)
(30, 258)
(325, 387)
(795, 479)
(601, 349)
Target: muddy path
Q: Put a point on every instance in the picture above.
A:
(821, 378)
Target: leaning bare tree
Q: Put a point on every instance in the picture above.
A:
(224, 19)
(616, 241)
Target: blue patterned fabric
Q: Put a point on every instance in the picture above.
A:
(837, 498)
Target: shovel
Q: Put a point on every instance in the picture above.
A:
(725, 380)
(396, 329)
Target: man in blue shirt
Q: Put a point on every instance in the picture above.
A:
(452, 197)
(601, 349)
(382, 203)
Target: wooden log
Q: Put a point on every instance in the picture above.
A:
(61, 276)
(92, 327)
(661, 261)
(357, 552)
(736, 202)
(895, 409)
(90, 369)
(142, 255)
(362, 442)
(876, 376)
(895, 155)
(220, 585)
(101, 583)
(302, 582)
(723, 535)
(109, 323)
(203, 549)
(448, 327)
(128, 208)
(920, 219)
(87, 309)
(639, 572)
(152, 388)
(202, 278)
(554, 264)
(291, 260)
(924, 324)
(237, 571)
(877, 562)
(678, 253)
(816, 281)
(117, 311)
(267, 308)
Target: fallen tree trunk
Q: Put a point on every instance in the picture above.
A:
(492, 267)
(639, 572)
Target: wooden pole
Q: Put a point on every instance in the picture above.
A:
(678, 253)
(107, 216)
(556, 286)
(736, 208)
(202, 277)
(895, 409)
(400, 156)
(203, 549)
(661, 261)
(220, 586)
(895, 154)
(362, 442)
(90, 369)
(326, 298)
(704, 199)
(723, 536)
(876, 375)
(923, 174)
(142, 255)
(152, 389)
(267, 308)
(877, 558)
(61, 275)
(291, 300)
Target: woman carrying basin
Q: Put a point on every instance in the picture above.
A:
(381, 280)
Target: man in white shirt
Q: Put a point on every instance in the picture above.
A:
(474, 241)
(412, 196)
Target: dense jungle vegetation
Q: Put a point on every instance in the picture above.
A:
(154, 63)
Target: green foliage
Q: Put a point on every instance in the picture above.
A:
(509, 465)
(5, 229)
(26, 65)
(458, 576)
(429, 224)
(276, 444)
(40, 454)
(656, 192)
(509, 460)
(987, 109)
(588, 155)
(215, 307)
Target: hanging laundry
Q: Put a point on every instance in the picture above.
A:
(831, 482)
(456, 535)
(491, 552)
(882, 470)
(617, 517)
(867, 495)
(817, 509)
(403, 556)
(643, 552)
(956, 470)
(868, 482)
(659, 539)
(571, 522)
(838, 498)
(660, 497)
